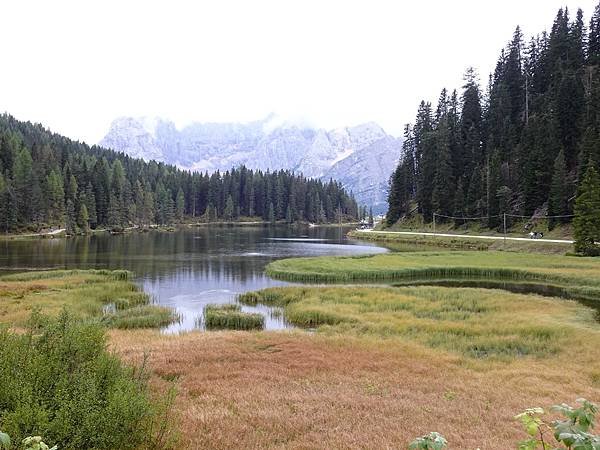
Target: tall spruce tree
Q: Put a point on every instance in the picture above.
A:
(559, 193)
(587, 214)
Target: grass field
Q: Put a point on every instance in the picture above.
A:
(385, 365)
(571, 271)
(109, 296)
(296, 390)
(478, 323)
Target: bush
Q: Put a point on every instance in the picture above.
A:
(57, 380)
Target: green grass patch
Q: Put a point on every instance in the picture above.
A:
(231, 317)
(392, 267)
(477, 323)
(109, 296)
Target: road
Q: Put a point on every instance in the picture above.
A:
(469, 236)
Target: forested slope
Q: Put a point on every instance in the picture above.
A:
(519, 146)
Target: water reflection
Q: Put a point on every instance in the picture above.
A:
(192, 267)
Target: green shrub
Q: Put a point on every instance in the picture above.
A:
(29, 443)
(57, 380)
(431, 441)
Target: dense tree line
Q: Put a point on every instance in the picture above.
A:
(518, 147)
(49, 180)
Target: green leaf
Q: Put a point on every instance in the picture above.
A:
(4, 440)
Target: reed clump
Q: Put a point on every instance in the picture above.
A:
(230, 316)
(141, 316)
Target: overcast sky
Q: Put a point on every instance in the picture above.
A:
(76, 65)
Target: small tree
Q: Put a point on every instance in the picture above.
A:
(83, 219)
(587, 214)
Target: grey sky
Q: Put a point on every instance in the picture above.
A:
(77, 65)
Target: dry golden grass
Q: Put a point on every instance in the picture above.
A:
(303, 391)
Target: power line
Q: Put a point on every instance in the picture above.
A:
(540, 217)
(502, 215)
(466, 218)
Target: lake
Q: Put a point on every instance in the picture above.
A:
(191, 267)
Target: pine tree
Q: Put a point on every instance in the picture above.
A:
(180, 205)
(587, 214)
(4, 204)
(90, 203)
(425, 150)
(228, 212)
(395, 195)
(83, 219)
(475, 194)
(558, 200)
(71, 222)
(147, 213)
(593, 48)
(471, 122)
(459, 201)
(271, 213)
(22, 184)
(443, 182)
(56, 198)
(114, 218)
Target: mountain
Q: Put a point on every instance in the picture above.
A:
(360, 157)
(48, 180)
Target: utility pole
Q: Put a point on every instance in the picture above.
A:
(433, 224)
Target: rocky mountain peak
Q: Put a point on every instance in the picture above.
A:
(361, 157)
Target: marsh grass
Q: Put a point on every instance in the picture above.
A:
(570, 277)
(231, 317)
(108, 296)
(478, 323)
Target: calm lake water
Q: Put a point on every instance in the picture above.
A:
(191, 267)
